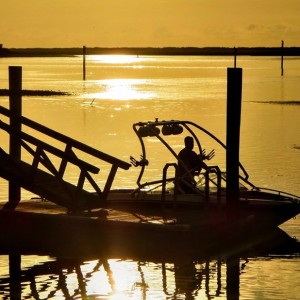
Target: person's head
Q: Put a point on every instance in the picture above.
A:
(189, 142)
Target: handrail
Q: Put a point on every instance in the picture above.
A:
(216, 170)
(281, 193)
(49, 148)
(67, 140)
(40, 157)
(67, 156)
(164, 181)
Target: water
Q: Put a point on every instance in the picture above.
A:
(121, 90)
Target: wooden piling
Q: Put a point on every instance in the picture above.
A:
(15, 104)
(233, 278)
(235, 54)
(282, 53)
(234, 102)
(83, 57)
(15, 274)
(14, 267)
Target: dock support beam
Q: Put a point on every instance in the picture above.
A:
(234, 103)
(15, 106)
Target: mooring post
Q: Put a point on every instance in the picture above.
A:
(15, 106)
(233, 278)
(15, 276)
(282, 54)
(83, 57)
(15, 267)
(234, 53)
(234, 103)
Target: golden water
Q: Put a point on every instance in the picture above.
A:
(122, 90)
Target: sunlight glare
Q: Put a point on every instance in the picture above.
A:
(115, 59)
(121, 89)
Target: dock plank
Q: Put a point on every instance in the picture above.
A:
(39, 206)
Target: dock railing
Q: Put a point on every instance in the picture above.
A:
(39, 149)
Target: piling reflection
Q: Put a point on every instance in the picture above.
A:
(133, 276)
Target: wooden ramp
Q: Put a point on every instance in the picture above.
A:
(46, 180)
(47, 185)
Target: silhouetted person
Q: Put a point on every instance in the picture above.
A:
(190, 165)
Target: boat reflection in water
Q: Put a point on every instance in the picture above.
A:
(138, 272)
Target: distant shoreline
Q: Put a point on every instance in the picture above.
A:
(221, 51)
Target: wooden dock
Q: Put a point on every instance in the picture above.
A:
(45, 207)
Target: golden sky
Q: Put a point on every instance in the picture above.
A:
(149, 23)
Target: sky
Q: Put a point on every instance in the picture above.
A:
(149, 23)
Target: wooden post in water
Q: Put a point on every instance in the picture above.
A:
(83, 57)
(233, 278)
(234, 103)
(235, 53)
(282, 53)
(15, 106)
(15, 276)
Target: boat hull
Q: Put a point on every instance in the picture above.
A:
(169, 229)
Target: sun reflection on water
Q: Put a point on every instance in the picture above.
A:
(115, 59)
(121, 89)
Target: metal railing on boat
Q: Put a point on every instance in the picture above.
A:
(210, 170)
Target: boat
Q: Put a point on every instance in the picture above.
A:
(208, 202)
(155, 211)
